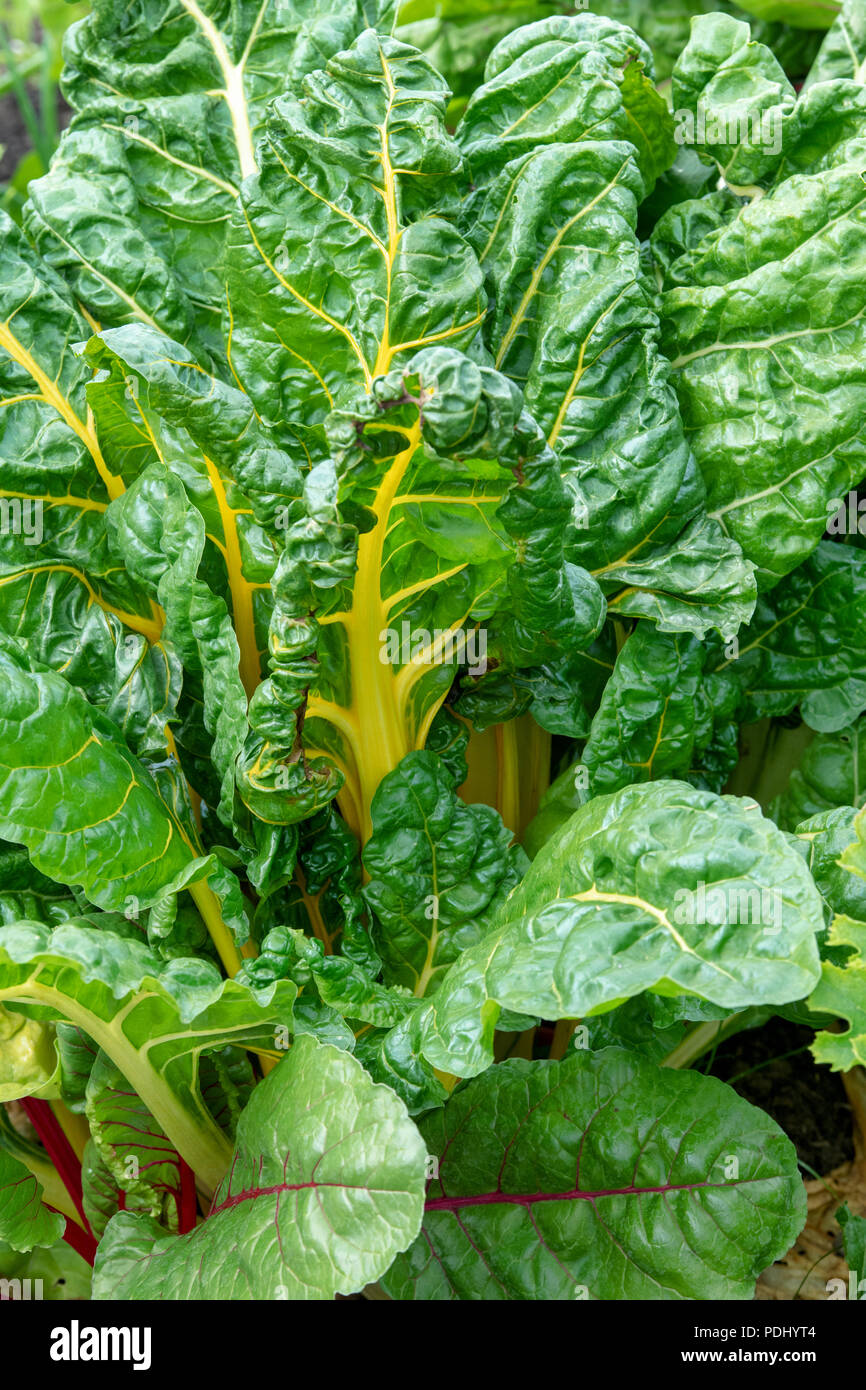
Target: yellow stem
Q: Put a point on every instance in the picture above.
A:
(562, 1035)
(380, 737)
(241, 592)
(75, 1127)
(208, 905)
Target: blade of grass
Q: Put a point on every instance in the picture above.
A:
(25, 105)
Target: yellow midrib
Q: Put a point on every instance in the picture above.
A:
(84, 504)
(375, 707)
(233, 76)
(54, 397)
(535, 279)
(389, 197)
(241, 591)
(151, 628)
(592, 895)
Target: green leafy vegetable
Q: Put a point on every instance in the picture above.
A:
(432, 611)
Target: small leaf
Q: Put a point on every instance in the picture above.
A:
(325, 1188)
(24, 1220)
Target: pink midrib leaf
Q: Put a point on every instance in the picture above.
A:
(251, 1193)
(529, 1199)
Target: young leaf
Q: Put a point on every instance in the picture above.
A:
(841, 991)
(326, 1186)
(438, 870)
(24, 1220)
(131, 1145)
(152, 1019)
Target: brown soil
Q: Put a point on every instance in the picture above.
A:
(808, 1101)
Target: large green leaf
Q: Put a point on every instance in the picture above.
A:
(55, 552)
(662, 714)
(152, 1019)
(572, 321)
(170, 98)
(347, 168)
(90, 814)
(762, 313)
(657, 887)
(458, 35)
(601, 1177)
(326, 1187)
(560, 79)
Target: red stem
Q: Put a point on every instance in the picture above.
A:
(187, 1207)
(59, 1150)
(82, 1241)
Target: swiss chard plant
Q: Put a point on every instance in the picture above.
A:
(432, 674)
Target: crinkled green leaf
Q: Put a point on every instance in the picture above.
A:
(735, 103)
(169, 99)
(762, 315)
(326, 1187)
(346, 167)
(829, 775)
(559, 79)
(657, 887)
(63, 596)
(804, 644)
(573, 323)
(152, 1019)
(659, 715)
(600, 1177)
